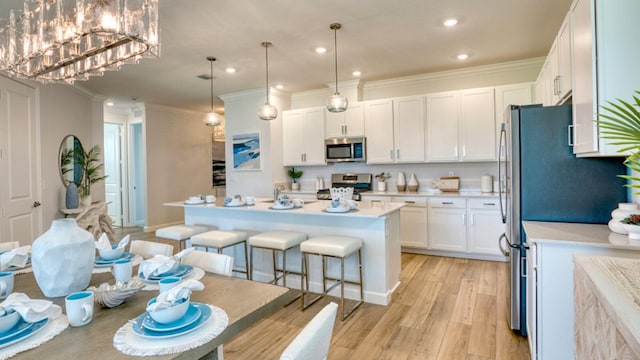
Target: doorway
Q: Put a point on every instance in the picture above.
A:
(113, 171)
(137, 174)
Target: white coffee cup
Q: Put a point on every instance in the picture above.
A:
(297, 202)
(122, 270)
(168, 283)
(250, 200)
(352, 204)
(6, 283)
(209, 199)
(194, 199)
(79, 307)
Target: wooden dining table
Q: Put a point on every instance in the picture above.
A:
(244, 301)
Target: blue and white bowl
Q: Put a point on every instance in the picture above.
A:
(170, 314)
(8, 321)
(111, 254)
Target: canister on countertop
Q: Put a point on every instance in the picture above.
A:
(486, 183)
(319, 183)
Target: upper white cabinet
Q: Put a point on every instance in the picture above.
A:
(395, 130)
(303, 137)
(461, 126)
(605, 62)
(345, 124)
(378, 128)
(516, 94)
(554, 82)
(442, 126)
(408, 128)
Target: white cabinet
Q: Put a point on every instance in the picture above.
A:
(447, 224)
(531, 299)
(395, 130)
(345, 124)
(478, 125)
(442, 126)
(484, 226)
(554, 82)
(461, 126)
(516, 94)
(303, 137)
(413, 222)
(378, 128)
(408, 129)
(604, 65)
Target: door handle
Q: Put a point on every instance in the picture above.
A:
(36, 204)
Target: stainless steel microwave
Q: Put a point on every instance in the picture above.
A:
(345, 149)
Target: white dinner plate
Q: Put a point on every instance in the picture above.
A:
(280, 207)
(337, 209)
(141, 331)
(194, 202)
(235, 203)
(22, 333)
(193, 314)
(181, 272)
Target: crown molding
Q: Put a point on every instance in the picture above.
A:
(535, 63)
(241, 94)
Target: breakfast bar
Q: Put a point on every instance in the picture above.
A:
(376, 223)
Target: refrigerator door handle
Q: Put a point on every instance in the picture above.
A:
(503, 210)
(505, 251)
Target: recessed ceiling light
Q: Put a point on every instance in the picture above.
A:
(280, 86)
(450, 22)
(462, 56)
(110, 103)
(321, 50)
(230, 70)
(356, 73)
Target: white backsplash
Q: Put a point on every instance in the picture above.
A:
(469, 173)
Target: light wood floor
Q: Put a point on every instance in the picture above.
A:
(445, 308)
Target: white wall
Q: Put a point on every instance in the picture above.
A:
(63, 111)
(241, 114)
(178, 160)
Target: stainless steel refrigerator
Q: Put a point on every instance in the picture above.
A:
(542, 180)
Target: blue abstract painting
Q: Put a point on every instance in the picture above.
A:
(246, 151)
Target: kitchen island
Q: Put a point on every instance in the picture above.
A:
(376, 223)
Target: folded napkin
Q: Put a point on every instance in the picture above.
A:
(160, 264)
(31, 310)
(169, 298)
(18, 257)
(104, 243)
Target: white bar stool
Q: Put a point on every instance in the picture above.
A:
(276, 241)
(336, 247)
(219, 240)
(181, 233)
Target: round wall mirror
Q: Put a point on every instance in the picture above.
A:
(70, 166)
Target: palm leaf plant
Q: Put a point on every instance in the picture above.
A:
(620, 121)
(91, 165)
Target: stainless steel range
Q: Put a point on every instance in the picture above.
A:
(359, 182)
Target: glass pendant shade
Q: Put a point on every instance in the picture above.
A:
(337, 103)
(267, 112)
(211, 119)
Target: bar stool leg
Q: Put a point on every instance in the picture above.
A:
(360, 270)
(246, 262)
(275, 274)
(324, 275)
(342, 285)
(251, 263)
(284, 268)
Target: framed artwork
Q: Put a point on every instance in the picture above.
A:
(246, 151)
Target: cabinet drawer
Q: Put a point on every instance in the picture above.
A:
(488, 203)
(411, 201)
(447, 202)
(375, 198)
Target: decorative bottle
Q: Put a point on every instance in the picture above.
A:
(63, 258)
(401, 182)
(71, 196)
(413, 183)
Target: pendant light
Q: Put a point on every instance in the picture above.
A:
(336, 102)
(211, 118)
(267, 111)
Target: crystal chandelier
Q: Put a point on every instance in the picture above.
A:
(267, 111)
(55, 41)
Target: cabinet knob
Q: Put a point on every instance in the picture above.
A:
(36, 204)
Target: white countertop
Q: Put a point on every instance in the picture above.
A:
(365, 208)
(406, 193)
(576, 233)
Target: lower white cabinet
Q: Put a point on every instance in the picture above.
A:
(447, 224)
(413, 222)
(484, 226)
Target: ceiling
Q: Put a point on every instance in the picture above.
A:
(382, 38)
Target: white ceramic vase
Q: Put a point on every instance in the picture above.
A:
(401, 182)
(86, 200)
(295, 186)
(63, 258)
(413, 183)
(623, 210)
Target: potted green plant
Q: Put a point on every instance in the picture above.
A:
(295, 175)
(91, 165)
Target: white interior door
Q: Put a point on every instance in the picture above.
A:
(137, 188)
(113, 170)
(20, 211)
